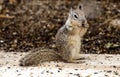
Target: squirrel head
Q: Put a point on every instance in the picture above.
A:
(77, 18)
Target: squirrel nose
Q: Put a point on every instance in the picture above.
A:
(83, 23)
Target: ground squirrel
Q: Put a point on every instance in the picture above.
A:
(68, 41)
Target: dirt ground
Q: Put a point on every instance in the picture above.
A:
(95, 66)
(30, 24)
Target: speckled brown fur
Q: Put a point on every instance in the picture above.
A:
(68, 41)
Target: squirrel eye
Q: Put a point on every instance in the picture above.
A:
(75, 16)
(80, 7)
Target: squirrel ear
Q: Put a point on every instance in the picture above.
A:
(71, 10)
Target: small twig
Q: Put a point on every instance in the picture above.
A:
(110, 19)
(5, 16)
(12, 1)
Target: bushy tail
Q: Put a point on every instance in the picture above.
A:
(39, 56)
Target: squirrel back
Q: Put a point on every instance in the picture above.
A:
(68, 41)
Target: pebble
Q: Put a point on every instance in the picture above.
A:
(115, 23)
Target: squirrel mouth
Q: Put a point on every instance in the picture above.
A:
(85, 25)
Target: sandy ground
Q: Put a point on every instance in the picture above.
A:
(94, 66)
